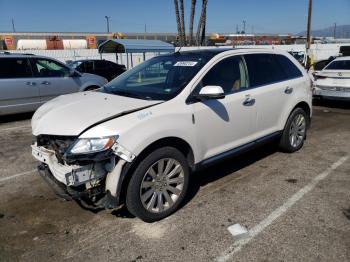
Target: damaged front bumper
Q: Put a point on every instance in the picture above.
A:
(94, 184)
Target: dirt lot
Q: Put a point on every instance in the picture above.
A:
(296, 206)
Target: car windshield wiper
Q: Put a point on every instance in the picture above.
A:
(128, 94)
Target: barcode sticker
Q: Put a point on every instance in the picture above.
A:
(185, 63)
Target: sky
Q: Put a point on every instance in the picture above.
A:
(261, 16)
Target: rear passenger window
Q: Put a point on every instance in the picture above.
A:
(289, 68)
(15, 68)
(263, 69)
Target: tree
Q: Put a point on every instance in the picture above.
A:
(182, 17)
(200, 36)
(193, 8)
(177, 14)
(180, 20)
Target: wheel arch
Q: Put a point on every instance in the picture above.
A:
(176, 142)
(305, 106)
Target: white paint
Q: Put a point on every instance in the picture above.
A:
(15, 127)
(238, 245)
(17, 175)
(238, 231)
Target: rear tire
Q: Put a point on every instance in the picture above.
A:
(158, 185)
(294, 132)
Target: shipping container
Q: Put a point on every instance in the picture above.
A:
(27, 44)
(74, 44)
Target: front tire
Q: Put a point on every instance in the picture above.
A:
(294, 132)
(158, 185)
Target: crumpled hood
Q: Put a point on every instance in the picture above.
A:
(69, 115)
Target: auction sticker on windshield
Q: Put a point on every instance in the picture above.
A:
(185, 63)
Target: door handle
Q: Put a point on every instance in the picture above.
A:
(45, 82)
(288, 90)
(30, 83)
(249, 101)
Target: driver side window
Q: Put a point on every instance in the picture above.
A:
(49, 68)
(230, 74)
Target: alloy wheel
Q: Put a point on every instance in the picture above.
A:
(162, 185)
(297, 130)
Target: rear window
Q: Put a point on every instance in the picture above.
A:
(339, 65)
(15, 68)
(320, 65)
(264, 69)
(101, 64)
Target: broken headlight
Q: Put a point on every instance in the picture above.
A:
(92, 145)
(95, 145)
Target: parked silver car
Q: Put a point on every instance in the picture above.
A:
(27, 81)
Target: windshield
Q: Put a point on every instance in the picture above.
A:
(160, 78)
(339, 65)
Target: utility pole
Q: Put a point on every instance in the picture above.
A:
(107, 21)
(308, 35)
(335, 31)
(244, 22)
(13, 26)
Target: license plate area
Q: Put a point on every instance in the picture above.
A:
(80, 176)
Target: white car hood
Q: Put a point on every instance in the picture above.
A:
(69, 115)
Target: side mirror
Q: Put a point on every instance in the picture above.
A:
(73, 72)
(211, 92)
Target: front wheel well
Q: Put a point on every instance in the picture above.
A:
(129, 168)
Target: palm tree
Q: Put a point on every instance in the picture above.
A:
(200, 36)
(193, 8)
(179, 31)
(182, 16)
(204, 23)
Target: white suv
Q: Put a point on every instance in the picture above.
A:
(138, 139)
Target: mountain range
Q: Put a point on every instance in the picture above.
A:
(342, 31)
